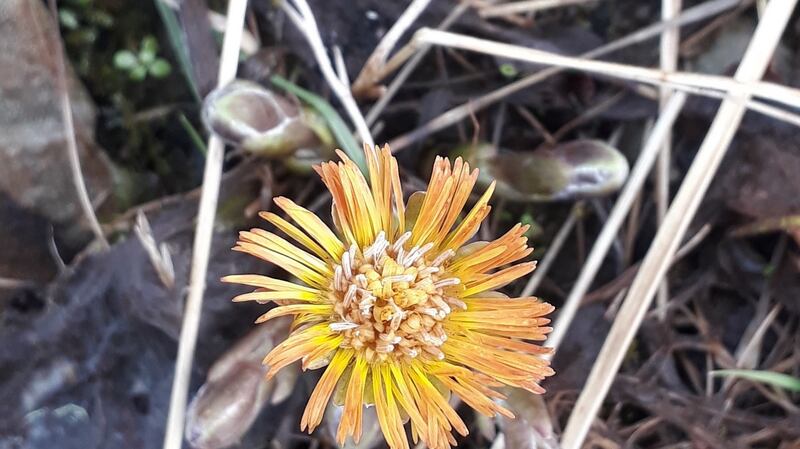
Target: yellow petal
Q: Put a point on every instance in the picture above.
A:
(257, 280)
(313, 226)
(277, 296)
(312, 415)
(297, 269)
(298, 235)
(498, 279)
(385, 408)
(275, 243)
(350, 422)
(294, 309)
(469, 226)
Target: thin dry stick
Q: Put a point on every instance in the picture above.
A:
(670, 42)
(9, 283)
(748, 358)
(552, 252)
(757, 106)
(366, 80)
(202, 238)
(303, 18)
(341, 67)
(683, 208)
(526, 6)
(69, 133)
(749, 348)
(536, 124)
(636, 179)
(250, 43)
(771, 91)
(459, 113)
(403, 75)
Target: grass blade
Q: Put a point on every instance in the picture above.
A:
(194, 135)
(779, 380)
(175, 35)
(337, 125)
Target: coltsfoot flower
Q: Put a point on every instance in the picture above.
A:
(395, 302)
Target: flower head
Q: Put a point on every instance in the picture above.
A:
(396, 304)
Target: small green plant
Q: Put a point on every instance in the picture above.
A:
(82, 22)
(146, 62)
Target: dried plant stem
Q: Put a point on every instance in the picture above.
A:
(412, 64)
(202, 239)
(757, 106)
(526, 6)
(683, 208)
(636, 179)
(366, 80)
(303, 18)
(552, 252)
(69, 134)
(536, 124)
(748, 351)
(670, 42)
(770, 91)
(250, 43)
(459, 113)
(10, 283)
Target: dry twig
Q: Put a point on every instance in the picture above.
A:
(303, 18)
(202, 239)
(526, 6)
(11, 284)
(654, 266)
(365, 83)
(460, 112)
(552, 252)
(218, 22)
(670, 41)
(609, 232)
(69, 133)
(677, 80)
(403, 75)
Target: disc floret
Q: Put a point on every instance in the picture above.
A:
(390, 301)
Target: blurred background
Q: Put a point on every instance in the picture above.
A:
(111, 98)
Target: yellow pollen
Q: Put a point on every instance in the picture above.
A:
(389, 300)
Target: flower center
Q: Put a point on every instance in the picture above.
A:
(390, 302)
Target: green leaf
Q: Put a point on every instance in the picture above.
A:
(338, 127)
(146, 57)
(68, 19)
(149, 45)
(148, 50)
(138, 73)
(779, 380)
(160, 68)
(176, 41)
(125, 60)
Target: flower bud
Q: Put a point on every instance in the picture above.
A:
(571, 170)
(236, 391)
(260, 121)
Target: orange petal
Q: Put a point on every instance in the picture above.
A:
(312, 415)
